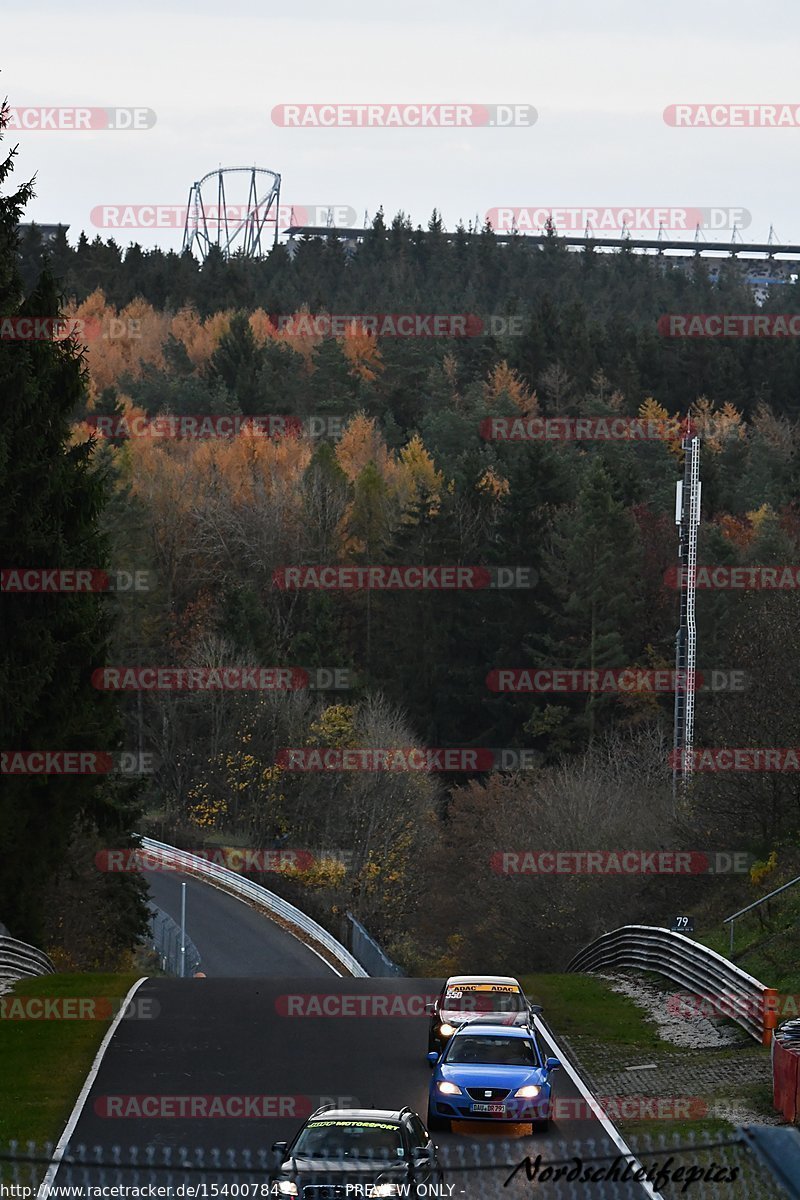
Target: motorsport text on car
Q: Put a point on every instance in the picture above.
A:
(490, 1071)
(357, 1152)
(467, 996)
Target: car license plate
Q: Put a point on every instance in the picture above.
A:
(496, 1109)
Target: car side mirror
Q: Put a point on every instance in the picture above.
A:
(279, 1147)
(552, 1064)
(421, 1155)
(535, 1010)
(433, 1058)
(430, 1009)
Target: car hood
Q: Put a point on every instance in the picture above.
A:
(480, 1075)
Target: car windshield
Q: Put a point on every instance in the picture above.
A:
(464, 999)
(495, 1051)
(345, 1139)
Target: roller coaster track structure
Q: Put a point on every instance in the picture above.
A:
(248, 228)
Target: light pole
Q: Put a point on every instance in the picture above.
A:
(183, 929)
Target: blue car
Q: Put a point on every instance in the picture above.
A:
(490, 1071)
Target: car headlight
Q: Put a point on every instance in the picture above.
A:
(447, 1088)
(287, 1188)
(447, 1030)
(528, 1092)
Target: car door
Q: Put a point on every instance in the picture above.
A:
(419, 1138)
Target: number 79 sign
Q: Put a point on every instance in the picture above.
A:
(682, 925)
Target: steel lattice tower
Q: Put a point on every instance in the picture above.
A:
(687, 518)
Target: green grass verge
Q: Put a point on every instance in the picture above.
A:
(576, 1004)
(44, 1063)
(586, 1011)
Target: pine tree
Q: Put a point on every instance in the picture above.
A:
(368, 526)
(51, 495)
(596, 573)
(238, 362)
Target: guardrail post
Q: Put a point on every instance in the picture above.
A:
(770, 1012)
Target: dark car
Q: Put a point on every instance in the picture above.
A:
(357, 1152)
(465, 997)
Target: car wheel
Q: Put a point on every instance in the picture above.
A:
(438, 1124)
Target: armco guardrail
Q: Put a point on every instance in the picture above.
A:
(369, 952)
(236, 885)
(19, 960)
(165, 941)
(701, 971)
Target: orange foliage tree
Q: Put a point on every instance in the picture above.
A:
(121, 341)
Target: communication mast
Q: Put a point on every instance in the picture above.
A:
(687, 518)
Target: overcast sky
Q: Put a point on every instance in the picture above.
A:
(599, 76)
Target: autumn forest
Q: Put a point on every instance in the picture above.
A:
(384, 461)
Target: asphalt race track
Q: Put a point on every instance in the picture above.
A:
(253, 1036)
(233, 938)
(225, 1037)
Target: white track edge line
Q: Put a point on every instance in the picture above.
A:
(58, 1153)
(608, 1125)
